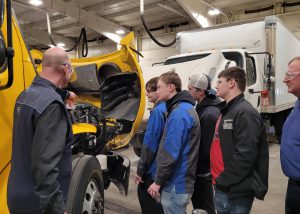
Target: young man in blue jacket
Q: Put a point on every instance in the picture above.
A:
(290, 140)
(147, 165)
(179, 147)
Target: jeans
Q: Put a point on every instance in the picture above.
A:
(225, 205)
(175, 203)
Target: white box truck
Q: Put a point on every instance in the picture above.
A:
(262, 47)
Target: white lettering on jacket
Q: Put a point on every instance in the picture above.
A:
(228, 124)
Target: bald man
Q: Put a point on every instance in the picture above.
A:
(41, 153)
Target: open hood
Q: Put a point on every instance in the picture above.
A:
(119, 97)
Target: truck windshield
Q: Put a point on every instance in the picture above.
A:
(233, 56)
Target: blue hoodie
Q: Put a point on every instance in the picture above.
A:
(179, 147)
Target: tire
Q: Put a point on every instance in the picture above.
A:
(86, 191)
(137, 150)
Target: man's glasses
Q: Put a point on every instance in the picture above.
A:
(291, 75)
(68, 65)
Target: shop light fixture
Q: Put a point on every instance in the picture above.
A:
(36, 2)
(213, 12)
(112, 36)
(201, 19)
(120, 32)
(61, 44)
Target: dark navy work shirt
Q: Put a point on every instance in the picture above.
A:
(290, 144)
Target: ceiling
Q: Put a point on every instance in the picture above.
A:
(100, 17)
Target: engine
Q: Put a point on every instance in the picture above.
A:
(92, 143)
(85, 113)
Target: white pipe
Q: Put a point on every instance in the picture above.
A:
(48, 23)
(142, 7)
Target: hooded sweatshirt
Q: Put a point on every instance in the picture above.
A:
(208, 111)
(178, 150)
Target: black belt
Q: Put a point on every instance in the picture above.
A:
(295, 182)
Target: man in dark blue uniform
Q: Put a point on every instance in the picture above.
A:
(41, 156)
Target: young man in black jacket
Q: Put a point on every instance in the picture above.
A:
(239, 151)
(208, 111)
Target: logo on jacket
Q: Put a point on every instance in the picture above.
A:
(227, 124)
(19, 109)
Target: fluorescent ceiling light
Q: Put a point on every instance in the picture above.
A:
(61, 44)
(202, 20)
(36, 2)
(214, 12)
(120, 32)
(112, 36)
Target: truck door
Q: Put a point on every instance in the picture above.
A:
(8, 96)
(253, 80)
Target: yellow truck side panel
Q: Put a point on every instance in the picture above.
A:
(22, 65)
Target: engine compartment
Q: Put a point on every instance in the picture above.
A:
(95, 144)
(92, 143)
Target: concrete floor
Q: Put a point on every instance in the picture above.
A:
(273, 203)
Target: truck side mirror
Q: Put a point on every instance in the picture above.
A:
(6, 51)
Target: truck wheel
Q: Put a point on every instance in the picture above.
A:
(86, 191)
(137, 142)
(136, 148)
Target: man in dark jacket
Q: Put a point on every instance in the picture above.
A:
(41, 155)
(239, 151)
(178, 149)
(146, 168)
(208, 111)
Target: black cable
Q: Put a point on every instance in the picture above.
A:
(152, 37)
(259, 10)
(84, 43)
(84, 50)
(290, 4)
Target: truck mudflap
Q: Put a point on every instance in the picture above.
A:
(119, 171)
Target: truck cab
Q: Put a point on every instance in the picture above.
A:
(237, 57)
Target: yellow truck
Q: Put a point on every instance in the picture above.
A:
(109, 111)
